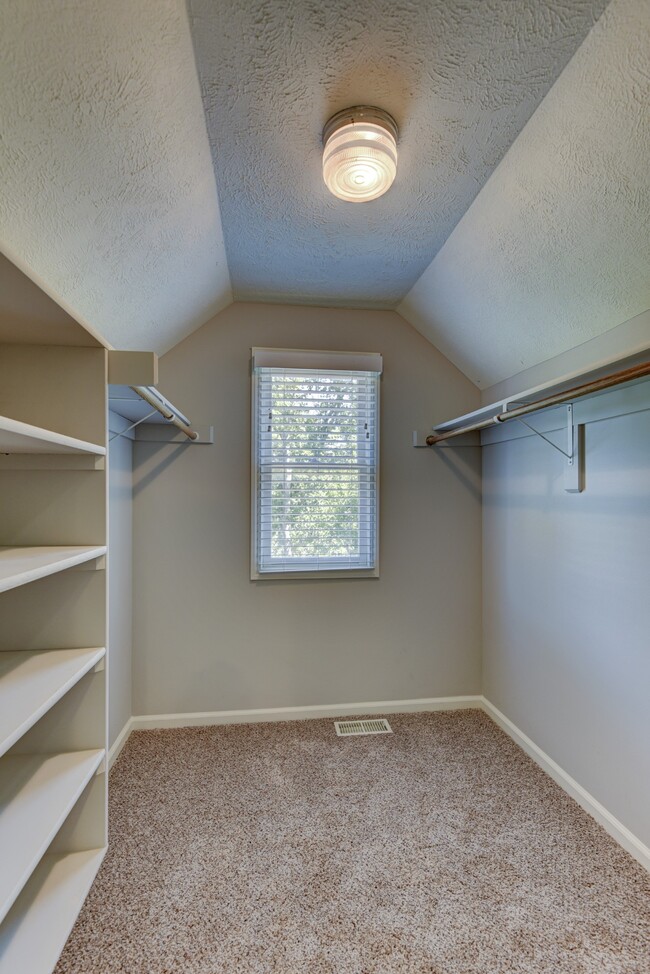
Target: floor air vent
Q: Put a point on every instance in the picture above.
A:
(355, 728)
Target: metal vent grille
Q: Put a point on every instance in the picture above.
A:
(355, 728)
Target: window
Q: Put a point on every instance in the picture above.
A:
(315, 463)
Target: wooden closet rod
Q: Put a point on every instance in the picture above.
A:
(586, 389)
(166, 409)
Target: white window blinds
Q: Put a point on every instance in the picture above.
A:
(315, 468)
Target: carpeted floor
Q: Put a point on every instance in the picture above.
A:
(441, 849)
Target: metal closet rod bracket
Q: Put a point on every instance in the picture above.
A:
(575, 439)
(575, 434)
(574, 453)
(128, 429)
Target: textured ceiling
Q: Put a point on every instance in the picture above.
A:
(521, 206)
(108, 193)
(460, 77)
(555, 249)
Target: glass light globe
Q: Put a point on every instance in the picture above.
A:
(360, 154)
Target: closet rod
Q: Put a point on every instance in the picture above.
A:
(166, 409)
(596, 385)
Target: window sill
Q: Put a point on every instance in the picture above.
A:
(340, 573)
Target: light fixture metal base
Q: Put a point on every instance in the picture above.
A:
(360, 113)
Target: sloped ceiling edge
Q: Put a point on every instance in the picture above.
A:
(555, 249)
(109, 194)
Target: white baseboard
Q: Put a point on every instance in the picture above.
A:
(616, 829)
(211, 717)
(119, 742)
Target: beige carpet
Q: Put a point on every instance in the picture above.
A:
(281, 848)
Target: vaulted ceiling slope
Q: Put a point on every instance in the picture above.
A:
(28, 316)
(555, 250)
(517, 228)
(461, 79)
(108, 197)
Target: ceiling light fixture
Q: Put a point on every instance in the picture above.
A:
(360, 153)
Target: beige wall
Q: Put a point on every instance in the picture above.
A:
(566, 606)
(205, 636)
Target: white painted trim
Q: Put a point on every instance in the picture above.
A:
(119, 742)
(256, 493)
(211, 717)
(312, 358)
(616, 829)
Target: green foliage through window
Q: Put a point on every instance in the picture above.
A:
(317, 476)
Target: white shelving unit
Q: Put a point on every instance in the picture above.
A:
(17, 437)
(36, 929)
(18, 566)
(37, 791)
(31, 682)
(53, 667)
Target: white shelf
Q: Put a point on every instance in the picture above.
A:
(17, 437)
(544, 389)
(51, 700)
(31, 682)
(18, 566)
(37, 791)
(38, 925)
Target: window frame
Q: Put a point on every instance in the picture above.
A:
(309, 573)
